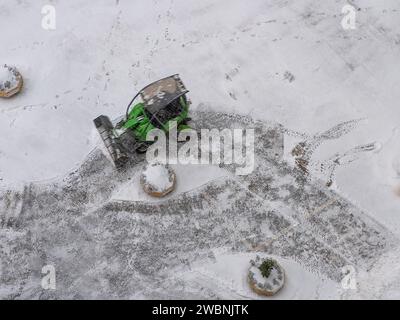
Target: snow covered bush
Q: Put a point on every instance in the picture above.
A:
(266, 267)
(266, 276)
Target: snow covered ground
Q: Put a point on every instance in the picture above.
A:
(289, 62)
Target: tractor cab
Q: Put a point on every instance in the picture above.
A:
(162, 102)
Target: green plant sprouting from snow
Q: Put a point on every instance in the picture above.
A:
(266, 267)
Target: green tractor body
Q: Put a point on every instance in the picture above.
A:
(163, 105)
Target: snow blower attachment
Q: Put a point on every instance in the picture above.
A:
(162, 102)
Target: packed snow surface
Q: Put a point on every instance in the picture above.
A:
(188, 177)
(332, 90)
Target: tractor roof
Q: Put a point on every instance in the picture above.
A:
(161, 93)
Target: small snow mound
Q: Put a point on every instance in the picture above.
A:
(157, 179)
(10, 81)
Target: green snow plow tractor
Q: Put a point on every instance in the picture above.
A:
(162, 103)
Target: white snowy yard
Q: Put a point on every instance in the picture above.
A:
(286, 62)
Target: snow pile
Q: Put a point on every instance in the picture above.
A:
(157, 179)
(380, 282)
(8, 77)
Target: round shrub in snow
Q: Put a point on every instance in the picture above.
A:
(10, 81)
(266, 277)
(157, 179)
